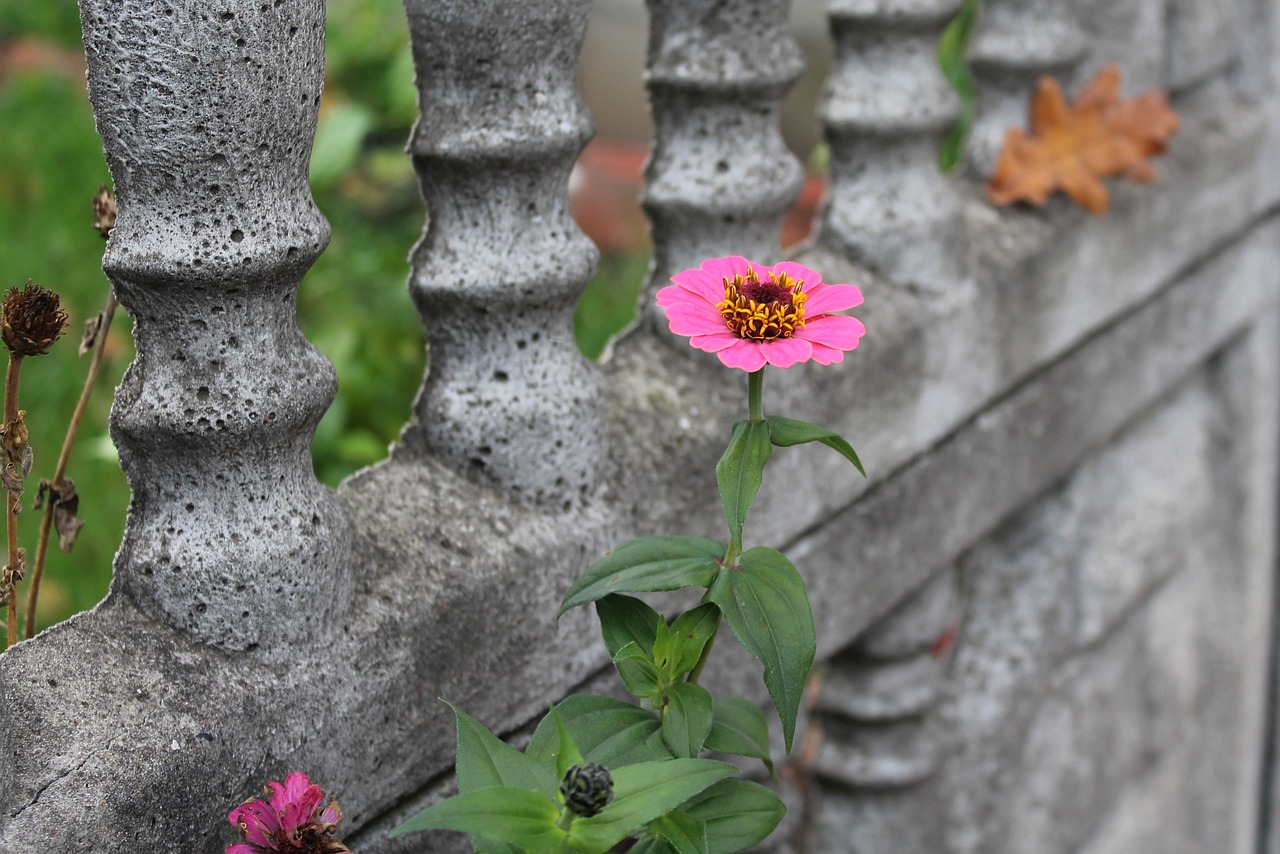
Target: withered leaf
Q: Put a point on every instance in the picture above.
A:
(16, 458)
(1072, 147)
(91, 328)
(104, 211)
(65, 503)
(11, 574)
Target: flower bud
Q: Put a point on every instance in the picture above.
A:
(32, 320)
(587, 789)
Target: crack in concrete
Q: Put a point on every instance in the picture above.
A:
(36, 799)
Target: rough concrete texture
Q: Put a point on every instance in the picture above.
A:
(1203, 41)
(973, 406)
(1059, 713)
(1014, 42)
(206, 115)
(1131, 35)
(1135, 732)
(886, 111)
(508, 399)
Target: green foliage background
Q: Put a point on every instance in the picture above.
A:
(353, 305)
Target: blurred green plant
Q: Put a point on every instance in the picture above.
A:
(953, 58)
(608, 304)
(352, 305)
(58, 23)
(50, 165)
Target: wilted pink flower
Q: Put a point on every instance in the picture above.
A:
(289, 819)
(750, 315)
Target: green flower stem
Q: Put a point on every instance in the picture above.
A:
(755, 403)
(731, 556)
(696, 672)
(566, 819)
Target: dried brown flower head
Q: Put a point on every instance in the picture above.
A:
(32, 320)
(104, 211)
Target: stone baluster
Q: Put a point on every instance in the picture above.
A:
(886, 112)
(207, 113)
(1013, 44)
(720, 179)
(871, 745)
(507, 399)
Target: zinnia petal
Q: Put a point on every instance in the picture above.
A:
(295, 816)
(824, 355)
(686, 320)
(743, 354)
(785, 352)
(810, 278)
(332, 814)
(279, 795)
(296, 785)
(242, 848)
(259, 822)
(674, 295)
(834, 330)
(827, 298)
(311, 799)
(702, 283)
(728, 267)
(714, 343)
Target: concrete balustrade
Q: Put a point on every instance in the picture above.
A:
(1045, 622)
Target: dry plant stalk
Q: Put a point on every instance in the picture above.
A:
(32, 320)
(58, 496)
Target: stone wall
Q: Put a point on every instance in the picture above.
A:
(1046, 618)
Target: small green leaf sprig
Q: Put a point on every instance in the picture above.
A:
(600, 771)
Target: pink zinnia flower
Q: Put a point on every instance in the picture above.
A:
(289, 819)
(751, 315)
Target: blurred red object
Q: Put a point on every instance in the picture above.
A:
(28, 55)
(604, 197)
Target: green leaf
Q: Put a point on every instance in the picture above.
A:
(661, 644)
(516, 816)
(642, 677)
(686, 718)
(686, 835)
(624, 619)
(641, 794)
(485, 845)
(608, 731)
(786, 432)
(689, 634)
(738, 727)
(568, 754)
(953, 59)
(765, 603)
(648, 565)
(653, 845)
(485, 761)
(738, 814)
(740, 471)
(340, 134)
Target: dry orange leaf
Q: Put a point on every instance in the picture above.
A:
(1072, 147)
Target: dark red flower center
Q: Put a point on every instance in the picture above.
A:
(766, 292)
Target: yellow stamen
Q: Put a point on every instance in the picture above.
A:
(762, 310)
